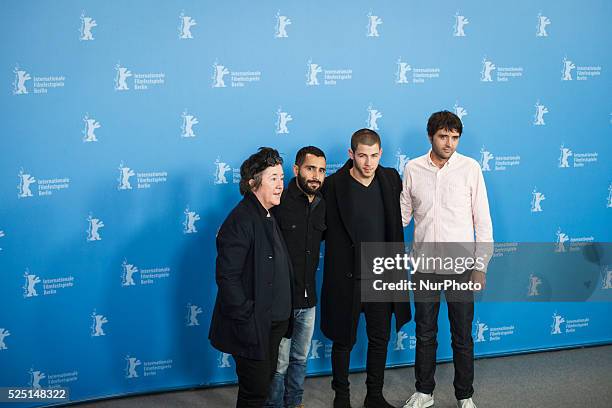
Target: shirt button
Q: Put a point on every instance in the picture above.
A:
(308, 251)
(349, 275)
(269, 256)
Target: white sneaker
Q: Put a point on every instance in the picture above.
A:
(419, 400)
(466, 403)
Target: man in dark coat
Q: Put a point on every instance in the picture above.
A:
(253, 309)
(362, 206)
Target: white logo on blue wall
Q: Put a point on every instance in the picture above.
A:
(124, 177)
(220, 169)
(25, 182)
(90, 127)
(223, 360)
(502, 73)
(19, 85)
(608, 204)
(87, 23)
(487, 69)
(568, 67)
(219, 72)
(4, 333)
(401, 76)
(482, 332)
(36, 377)
(538, 117)
(2, 235)
(312, 73)
(558, 320)
(399, 341)
(282, 119)
(188, 122)
(500, 162)
(29, 288)
(460, 111)
(315, 345)
(564, 157)
(98, 321)
(127, 275)
(331, 77)
(532, 288)
(562, 238)
(93, 228)
(191, 217)
(373, 116)
(192, 314)
(401, 162)
(543, 21)
(606, 282)
(281, 26)
(121, 76)
(574, 243)
(459, 27)
(536, 200)
(185, 24)
(372, 27)
(131, 366)
(479, 331)
(485, 157)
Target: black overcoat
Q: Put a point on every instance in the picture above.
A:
(338, 290)
(241, 318)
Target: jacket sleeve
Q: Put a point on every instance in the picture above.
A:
(234, 242)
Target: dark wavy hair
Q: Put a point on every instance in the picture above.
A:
(252, 167)
(444, 120)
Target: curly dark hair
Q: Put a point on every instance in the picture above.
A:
(252, 167)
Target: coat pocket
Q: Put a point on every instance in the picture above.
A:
(246, 331)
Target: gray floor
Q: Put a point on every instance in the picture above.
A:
(567, 378)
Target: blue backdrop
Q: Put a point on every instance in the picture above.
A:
(124, 125)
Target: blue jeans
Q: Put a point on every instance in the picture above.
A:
(287, 387)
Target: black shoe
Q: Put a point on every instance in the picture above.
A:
(342, 401)
(377, 401)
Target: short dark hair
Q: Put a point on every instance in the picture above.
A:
(301, 154)
(364, 136)
(252, 167)
(444, 120)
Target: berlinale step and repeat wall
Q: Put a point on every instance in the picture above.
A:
(124, 125)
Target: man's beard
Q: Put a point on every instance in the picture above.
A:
(303, 183)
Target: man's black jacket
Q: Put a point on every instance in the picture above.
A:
(302, 224)
(341, 251)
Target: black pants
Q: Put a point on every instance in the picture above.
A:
(254, 376)
(378, 326)
(460, 315)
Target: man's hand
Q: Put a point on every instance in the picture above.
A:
(478, 277)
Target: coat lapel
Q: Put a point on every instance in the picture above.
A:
(389, 203)
(343, 196)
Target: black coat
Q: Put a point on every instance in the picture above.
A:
(302, 224)
(241, 319)
(338, 291)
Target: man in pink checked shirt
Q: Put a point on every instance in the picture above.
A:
(445, 193)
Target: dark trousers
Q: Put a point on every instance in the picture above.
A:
(254, 376)
(378, 326)
(460, 315)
